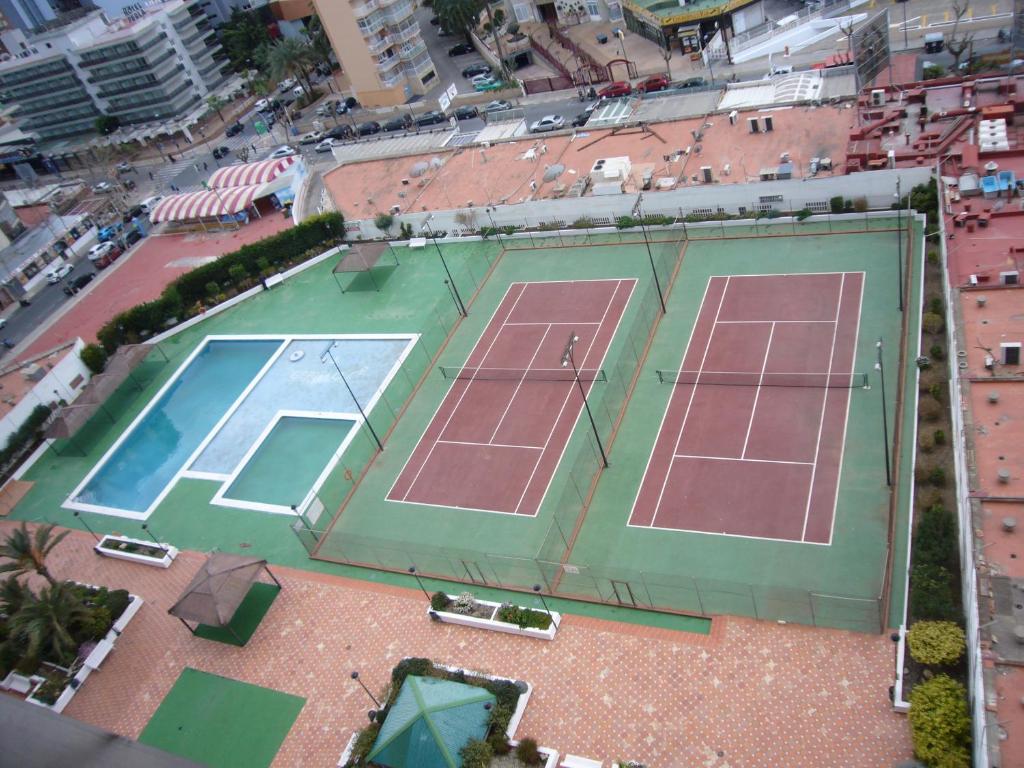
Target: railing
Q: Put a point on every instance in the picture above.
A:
(378, 45)
(402, 35)
(769, 30)
(549, 57)
(364, 9)
(410, 52)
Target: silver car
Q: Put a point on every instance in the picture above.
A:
(548, 123)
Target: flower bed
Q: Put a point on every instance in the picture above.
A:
(512, 619)
(137, 551)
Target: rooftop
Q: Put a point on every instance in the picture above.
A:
(673, 12)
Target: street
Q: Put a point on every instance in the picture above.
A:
(45, 304)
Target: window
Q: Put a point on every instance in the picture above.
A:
(614, 12)
(523, 13)
(593, 9)
(1011, 353)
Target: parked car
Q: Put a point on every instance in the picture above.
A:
(110, 231)
(313, 137)
(481, 77)
(476, 69)
(220, 152)
(693, 82)
(488, 85)
(653, 84)
(499, 105)
(132, 237)
(340, 132)
(103, 188)
(132, 213)
(283, 151)
(466, 113)
(367, 129)
(54, 276)
(125, 168)
(325, 109)
(78, 283)
(149, 203)
(615, 90)
(581, 119)
(433, 117)
(285, 84)
(548, 123)
(102, 254)
(399, 123)
(234, 130)
(326, 145)
(262, 105)
(461, 49)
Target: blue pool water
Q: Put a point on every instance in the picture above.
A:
(135, 474)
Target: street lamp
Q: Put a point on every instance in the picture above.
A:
(329, 352)
(355, 676)
(567, 359)
(412, 570)
(899, 243)
(455, 289)
(880, 367)
(78, 516)
(637, 211)
(162, 548)
(906, 43)
(536, 588)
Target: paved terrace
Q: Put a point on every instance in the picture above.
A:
(504, 172)
(749, 694)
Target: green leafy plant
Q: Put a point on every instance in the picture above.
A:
(936, 306)
(476, 753)
(51, 689)
(935, 538)
(212, 289)
(363, 745)
(465, 603)
(926, 442)
(937, 352)
(931, 594)
(940, 725)
(931, 323)
(238, 273)
(938, 643)
(46, 625)
(384, 222)
(836, 204)
(523, 617)
(439, 601)
(803, 213)
(526, 751)
(929, 409)
(94, 357)
(27, 551)
(937, 477)
(940, 437)
(25, 435)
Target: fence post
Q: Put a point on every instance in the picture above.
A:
(700, 599)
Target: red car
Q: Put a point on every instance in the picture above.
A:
(653, 83)
(614, 90)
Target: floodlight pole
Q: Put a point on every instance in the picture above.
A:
(536, 588)
(78, 516)
(355, 676)
(567, 359)
(650, 256)
(455, 289)
(161, 547)
(899, 242)
(329, 352)
(880, 367)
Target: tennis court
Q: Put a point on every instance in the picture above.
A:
(496, 439)
(759, 401)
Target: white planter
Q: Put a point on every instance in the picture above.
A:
(62, 701)
(17, 683)
(550, 756)
(348, 750)
(493, 624)
(160, 562)
(129, 612)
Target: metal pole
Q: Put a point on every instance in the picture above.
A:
(880, 367)
(81, 519)
(650, 256)
(906, 41)
(455, 289)
(899, 239)
(567, 359)
(412, 570)
(330, 353)
(536, 588)
(355, 676)
(145, 527)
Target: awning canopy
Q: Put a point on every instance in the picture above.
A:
(361, 256)
(204, 205)
(216, 591)
(245, 174)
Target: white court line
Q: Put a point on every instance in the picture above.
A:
(491, 445)
(824, 405)
(565, 400)
(519, 385)
(762, 322)
(693, 392)
(461, 396)
(750, 461)
(757, 392)
(523, 322)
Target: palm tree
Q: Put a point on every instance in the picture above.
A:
(242, 34)
(291, 57)
(12, 596)
(45, 626)
(319, 41)
(458, 16)
(28, 552)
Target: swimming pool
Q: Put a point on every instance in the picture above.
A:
(237, 400)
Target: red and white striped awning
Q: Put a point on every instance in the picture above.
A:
(245, 174)
(204, 205)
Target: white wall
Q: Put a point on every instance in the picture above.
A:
(747, 18)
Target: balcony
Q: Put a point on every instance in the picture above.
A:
(372, 26)
(393, 80)
(365, 8)
(35, 74)
(141, 65)
(411, 51)
(160, 98)
(379, 45)
(420, 69)
(388, 64)
(121, 51)
(23, 111)
(404, 35)
(399, 12)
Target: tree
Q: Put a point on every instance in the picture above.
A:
(28, 551)
(458, 17)
(106, 124)
(45, 626)
(216, 103)
(291, 57)
(958, 44)
(318, 41)
(12, 596)
(241, 35)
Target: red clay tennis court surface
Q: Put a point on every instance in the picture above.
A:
(752, 438)
(495, 441)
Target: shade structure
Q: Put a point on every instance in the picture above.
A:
(216, 591)
(204, 205)
(246, 174)
(430, 722)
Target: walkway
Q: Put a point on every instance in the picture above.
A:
(750, 694)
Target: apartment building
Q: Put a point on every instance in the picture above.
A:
(380, 48)
(155, 66)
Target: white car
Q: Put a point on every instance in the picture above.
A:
(548, 123)
(150, 203)
(282, 151)
(284, 85)
(484, 78)
(312, 137)
(325, 109)
(103, 188)
(262, 105)
(327, 145)
(100, 250)
(497, 106)
(54, 276)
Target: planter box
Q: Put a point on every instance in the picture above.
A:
(62, 701)
(550, 756)
(135, 557)
(493, 624)
(124, 618)
(575, 761)
(17, 683)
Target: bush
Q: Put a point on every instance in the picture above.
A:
(439, 601)
(937, 477)
(802, 214)
(412, 666)
(464, 603)
(935, 539)
(25, 435)
(936, 306)
(933, 72)
(94, 357)
(931, 596)
(501, 714)
(940, 437)
(526, 751)
(940, 726)
(926, 442)
(929, 409)
(384, 222)
(932, 323)
(364, 743)
(860, 204)
(937, 352)
(939, 643)
(476, 754)
(523, 617)
(836, 204)
(933, 258)
(936, 390)
(212, 289)
(499, 743)
(238, 273)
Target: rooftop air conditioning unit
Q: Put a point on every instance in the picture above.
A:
(878, 97)
(734, 117)
(396, 209)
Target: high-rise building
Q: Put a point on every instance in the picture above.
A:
(380, 48)
(159, 65)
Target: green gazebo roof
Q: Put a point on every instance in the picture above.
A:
(430, 722)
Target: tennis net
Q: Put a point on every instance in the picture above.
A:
(520, 374)
(756, 379)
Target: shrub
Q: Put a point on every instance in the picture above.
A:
(940, 726)
(412, 666)
(940, 437)
(526, 751)
(926, 442)
(116, 602)
(501, 714)
(931, 596)
(933, 258)
(936, 306)
(802, 214)
(929, 409)
(25, 435)
(94, 357)
(364, 743)
(937, 352)
(476, 754)
(439, 601)
(935, 538)
(238, 273)
(860, 204)
(499, 743)
(936, 642)
(464, 603)
(523, 617)
(937, 477)
(212, 289)
(936, 390)
(384, 222)
(836, 204)
(933, 72)
(932, 323)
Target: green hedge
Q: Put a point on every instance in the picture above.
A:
(24, 435)
(940, 725)
(229, 271)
